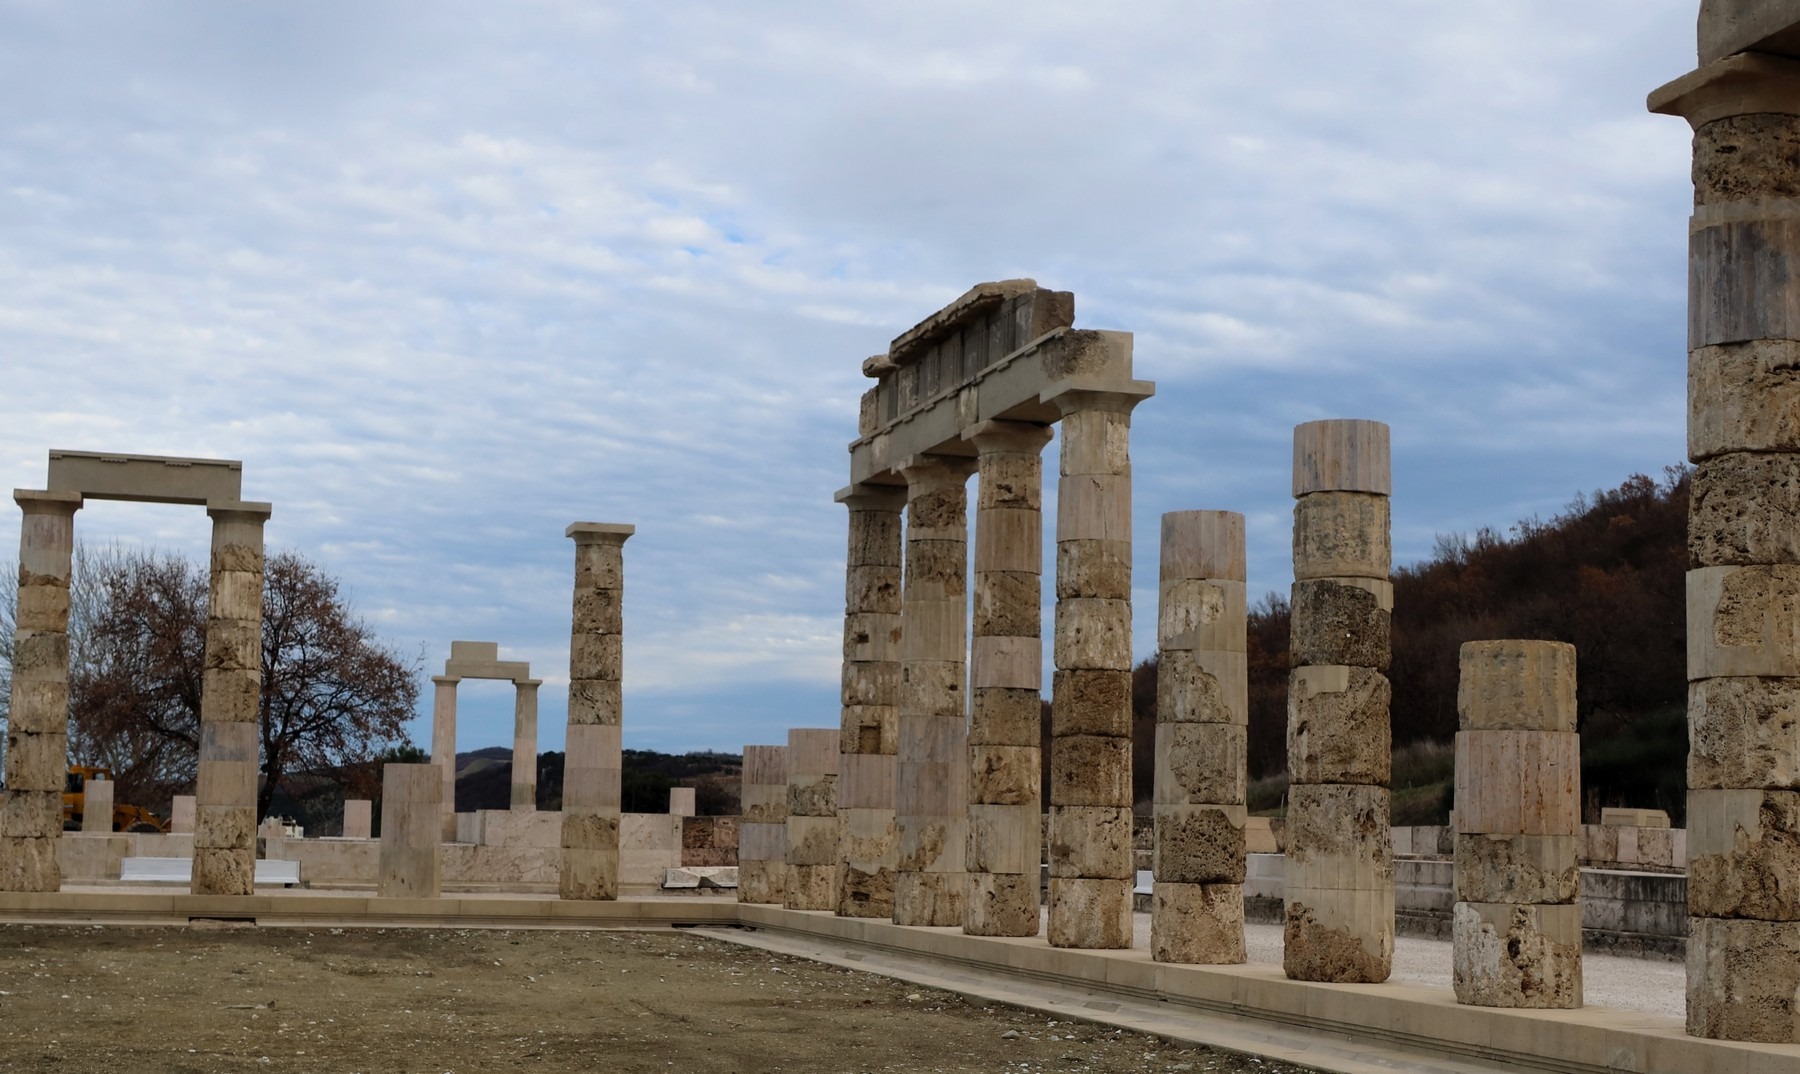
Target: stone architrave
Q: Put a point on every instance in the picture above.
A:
(931, 780)
(1517, 921)
(357, 818)
(592, 758)
(409, 865)
(1005, 848)
(1197, 898)
(812, 823)
(1743, 809)
(525, 743)
(869, 729)
(762, 833)
(1339, 878)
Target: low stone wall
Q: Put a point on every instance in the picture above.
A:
(709, 841)
(1603, 846)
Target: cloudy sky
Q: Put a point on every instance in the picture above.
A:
(448, 277)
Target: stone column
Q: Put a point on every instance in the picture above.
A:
(525, 742)
(411, 801)
(870, 725)
(762, 834)
(443, 749)
(1091, 864)
(590, 824)
(681, 801)
(1006, 681)
(1340, 855)
(231, 705)
(1517, 920)
(37, 730)
(931, 780)
(356, 818)
(1202, 721)
(97, 806)
(181, 815)
(812, 823)
(1743, 617)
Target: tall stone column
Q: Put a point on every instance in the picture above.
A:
(1006, 682)
(1743, 593)
(443, 750)
(525, 743)
(931, 781)
(590, 824)
(762, 833)
(1517, 921)
(812, 823)
(409, 863)
(1202, 721)
(37, 730)
(1091, 864)
(869, 734)
(231, 705)
(1340, 852)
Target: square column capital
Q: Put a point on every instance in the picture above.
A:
(1748, 83)
(252, 511)
(1008, 437)
(44, 502)
(1073, 395)
(867, 497)
(613, 533)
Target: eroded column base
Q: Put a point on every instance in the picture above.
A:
(930, 900)
(1002, 904)
(1199, 924)
(866, 893)
(589, 874)
(1517, 955)
(762, 882)
(1090, 914)
(811, 887)
(1741, 979)
(224, 870)
(28, 863)
(1314, 950)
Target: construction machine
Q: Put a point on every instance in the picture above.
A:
(126, 817)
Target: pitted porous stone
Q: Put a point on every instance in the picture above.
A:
(36, 762)
(1202, 687)
(1744, 733)
(1010, 480)
(870, 682)
(812, 840)
(1006, 717)
(231, 695)
(1508, 955)
(811, 887)
(1091, 841)
(1199, 844)
(815, 797)
(1742, 979)
(1197, 924)
(932, 688)
(1516, 685)
(872, 637)
(928, 900)
(589, 831)
(1005, 775)
(592, 875)
(1093, 441)
(41, 655)
(938, 512)
(1342, 535)
(225, 827)
(224, 870)
(1313, 951)
(595, 702)
(1091, 701)
(1100, 569)
(1339, 834)
(599, 566)
(1744, 397)
(1747, 158)
(1199, 613)
(1093, 633)
(28, 863)
(1001, 904)
(936, 569)
(30, 815)
(874, 539)
(1338, 726)
(43, 607)
(1743, 621)
(1200, 763)
(1518, 868)
(1744, 508)
(599, 656)
(598, 611)
(1744, 854)
(1090, 914)
(1090, 770)
(1002, 839)
(1007, 604)
(1339, 623)
(761, 881)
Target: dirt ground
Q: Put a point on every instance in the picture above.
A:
(128, 1000)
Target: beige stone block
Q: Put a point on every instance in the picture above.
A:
(41, 656)
(182, 810)
(1197, 613)
(1090, 914)
(1091, 841)
(765, 765)
(599, 566)
(245, 558)
(1203, 687)
(1094, 507)
(1001, 904)
(236, 594)
(1090, 770)
(30, 815)
(1007, 663)
(1011, 477)
(1518, 782)
(1091, 702)
(873, 588)
(867, 782)
(234, 643)
(592, 874)
(931, 844)
(1744, 854)
(1739, 272)
(1259, 836)
(97, 807)
(874, 539)
(223, 870)
(1744, 397)
(870, 730)
(872, 637)
(933, 739)
(29, 864)
(36, 762)
(1743, 621)
(930, 688)
(597, 656)
(1008, 604)
(1744, 733)
(928, 900)
(595, 787)
(764, 804)
(934, 631)
(1197, 924)
(931, 788)
(358, 818)
(1341, 623)
(1199, 844)
(1743, 509)
(1096, 569)
(1095, 442)
(812, 840)
(1656, 847)
(238, 742)
(597, 611)
(589, 831)
(231, 696)
(1200, 763)
(1093, 633)
(1518, 868)
(1202, 544)
(39, 707)
(1516, 685)
(1009, 540)
(1005, 717)
(1511, 955)
(1342, 535)
(761, 881)
(864, 893)
(1342, 454)
(1338, 836)
(1002, 839)
(762, 842)
(226, 783)
(594, 745)
(1742, 980)
(43, 608)
(815, 797)
(1344, 937)
(1338, 727)
(937, 504)
(867, 838)
(596, 702)
(937, 570)
(409, 872)
(1005, 775)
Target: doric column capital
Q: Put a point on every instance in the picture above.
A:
(603, 533)
(240, 511)
(41, 502)
(1008, 437)
(867, 497)
(445, 680)
(924, 472)
(1076, 394)
(1748, 83)
(527, 686)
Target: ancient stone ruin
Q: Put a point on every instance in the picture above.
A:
(481, 660)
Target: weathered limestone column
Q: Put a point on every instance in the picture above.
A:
(1517, 921)
(931, 782)
(1202, 722)
(525, 743)
(230, 705)
(97, 805)
(1006, 682)
(1743, 618)
(1091, 865)
(762, 834)
(37, 731)
(411, 800)
(812, 823)
(1340, 855)
(590, 824)
(870, 727)
(443, 749)
(356, 818)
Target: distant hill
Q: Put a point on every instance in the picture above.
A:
(484, 780)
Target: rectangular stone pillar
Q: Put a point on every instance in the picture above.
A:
(1339, 884)
(812, 823)
(681, 801)
(411, 852)
(37, 730)
(356, 818)
(591, 773)
(1202, 720)
(762, 834)
(525, 742)
(1091, 865)
(1743, 618)
(231, 705)
(869, 728)
(1517, 921)
(97, 805)
(443, 749)
(931, 773)
(181, 815)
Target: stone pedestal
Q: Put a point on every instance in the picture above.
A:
(37, 732)
(357, 818)
(1743, 517)
(931, 773)
(1197, 909)
(812, 823)
(1339, 885)
(181, 815)
(869, 730)
(411, 800)
(525, 740)
(1517, 923)
(443, 749)
(762, 833)
(591, 767)
(681, 801)
(97, 805)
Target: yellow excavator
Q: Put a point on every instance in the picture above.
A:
(126, 818)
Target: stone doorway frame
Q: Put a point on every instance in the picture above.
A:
(481, 660)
